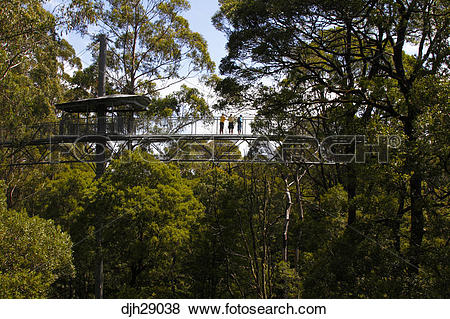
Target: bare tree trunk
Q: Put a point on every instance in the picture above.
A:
(298, 179)
(287, 215)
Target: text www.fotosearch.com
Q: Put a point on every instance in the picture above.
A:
(132, 309)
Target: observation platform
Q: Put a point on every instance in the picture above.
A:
(75, 136)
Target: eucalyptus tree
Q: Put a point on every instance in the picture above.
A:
(150, 213)
(151, 48)
(35, 254)
(34, 61)
(150, 44)
(351, 53)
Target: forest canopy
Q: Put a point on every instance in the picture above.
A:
(232, 230)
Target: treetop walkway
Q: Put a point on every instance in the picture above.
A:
(80, 131)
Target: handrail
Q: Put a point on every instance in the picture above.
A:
(117, 125)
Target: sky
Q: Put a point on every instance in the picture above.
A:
(199, 18)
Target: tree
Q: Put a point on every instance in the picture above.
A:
(22, 30)
(150, 48)
(149, 212)
(151, 42)
(240, 246)
(352, 54)
(61, 197)
(33, 65)
(35, 254)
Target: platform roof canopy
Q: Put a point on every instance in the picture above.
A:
(109, 103)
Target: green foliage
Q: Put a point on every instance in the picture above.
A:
(240, 242)
(211, 265)
(325, 68)
(61, 197)
(32, 63)
(287, 283)
(34, 254)
(83, 84)
(150, 43)
(235, 231)
(186, 104)
(79, 14)
(149, 212)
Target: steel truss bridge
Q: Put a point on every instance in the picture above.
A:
(53, 143)
(98, 130)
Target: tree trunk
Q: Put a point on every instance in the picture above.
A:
(415, 184)
(286, 220)
(351, 193)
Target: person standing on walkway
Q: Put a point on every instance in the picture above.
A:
(222, 123)
(230, 124)
(239, 123)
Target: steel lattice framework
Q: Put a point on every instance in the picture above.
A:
(81, 133)
(56, 149)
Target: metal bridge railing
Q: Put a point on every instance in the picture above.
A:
(124, 126)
